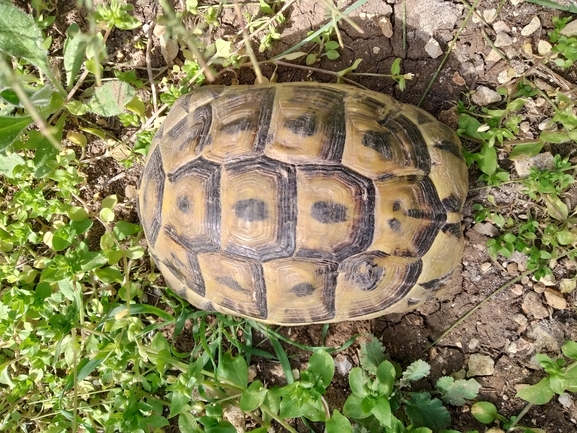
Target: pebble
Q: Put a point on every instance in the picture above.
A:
(570, 29)
(489, 15)
(486, 229)
(485, 267)
(503, 40)
(524, 345)
(555, 299)
(567, 285)
(376, 50)
(480, 365)
(520, 319)
(525, 127)
(433, 48)
(532, 305)
(517, 289)
(525, 280)
(458, 80)
(513, 268)
(501, 27)
(544, 48)
(549, 280)
(512, 348)
(566, 400)
(343, 364)
(516, 2)
(543, 161)
(386, 27)
(543, 340)
(484, 96)
(236, 417)
(532, 27)
(473, 343)
(539, 287)
(493, 56)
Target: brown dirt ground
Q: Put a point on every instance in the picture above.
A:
(501, 328)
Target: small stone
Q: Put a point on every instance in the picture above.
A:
(520, 319)
(532, 27)
(539, 287)
(489, 15)
(501, 27)
(555, 299)
(532, 305)
(503, 40)
(525, 127)
(493, 56)
(513, 268)
(542, 161)
(517, 289)
(544, 48)
(547, 125)
(473, 343)
(376, 50)
(512, 348)
(566, 400)
(251, 373)
(570, 29)
(485, 267)
(480, 365)
(543, 340)
(343, 364)
(516, 2)
(458, 80)
(386, 27)
(495, 430)
(524, 345)
(567, 285)
(549, 280)
(525, 280)
(236, 417)
(486, 229)
(484, 96)
(433, 49)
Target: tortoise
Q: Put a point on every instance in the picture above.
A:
(302, 203)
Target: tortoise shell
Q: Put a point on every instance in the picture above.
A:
(303, 203)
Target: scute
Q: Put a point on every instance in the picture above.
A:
(303, 202)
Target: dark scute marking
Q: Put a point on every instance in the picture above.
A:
(188, 274)
(210, 172)
(451, 147)
(330, 108)
(412, 138)
(395, 225)
(378, 141)
(194, 127)
(285, 244)
(154, 172)
(251, 210)
(413, 301)
(327, 212)
(263, 98)
(425, 237)
(452, 203)
(423, 119)
(238, 125)
(304, 126)
(259, 294)
(396, 206)
(453, 229)
(403, 253)
(183, 204)
(363, 271)
(423, 215)
(437, 283)
(302, 289)
(231, 283)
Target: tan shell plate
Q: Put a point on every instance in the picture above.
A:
(303, 202)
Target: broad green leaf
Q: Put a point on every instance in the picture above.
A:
(555, 136)
(233, 370)
(221, 427)
(565, 237)
(74, 52)
(556, 207)
(526, 150)
(396, 66)
(416, 371)
(322, 365)
(311, 59)
(10, 129)
(9, 162)
(333, 54)
(456, 392)
(253, 396)
(178, 401)
(488, 160)
(424, 412)
(540, 393)
(358, 380)
(382, 412)
(107, 215)
(570, 349)
(110, 202)
(371, 355)
(386, 375)
(353, 407)
(20, 37)
(338, 424)
(109, 275)
(110, 99)
(124, 229)
(92, 260)
(469, 126)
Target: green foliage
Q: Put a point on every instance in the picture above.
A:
(378, 400)
(565, 46)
